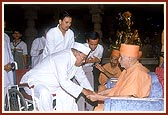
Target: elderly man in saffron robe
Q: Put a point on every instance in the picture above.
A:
(134, 80)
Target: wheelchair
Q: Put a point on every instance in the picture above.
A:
(19, 100)
(16, 98)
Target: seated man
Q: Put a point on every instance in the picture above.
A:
(53, 76)
(134, 81)
(109, 70)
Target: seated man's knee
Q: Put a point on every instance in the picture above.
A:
(41, 90)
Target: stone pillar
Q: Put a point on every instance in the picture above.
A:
(30, 32)
(96, 11)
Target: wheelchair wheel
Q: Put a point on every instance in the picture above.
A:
(16, 101)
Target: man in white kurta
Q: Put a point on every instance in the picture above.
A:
(56, 42)
(8, 59)
(88, 67)
(60, 37)
(53, 76)
(37, 48)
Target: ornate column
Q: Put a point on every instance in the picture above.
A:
(96, 11)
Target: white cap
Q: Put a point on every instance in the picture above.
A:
(81, 47)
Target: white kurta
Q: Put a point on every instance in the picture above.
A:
(55, 72)
(56, 42)
(37, 45)
(8, 58)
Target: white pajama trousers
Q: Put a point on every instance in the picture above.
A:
(44, 97)
(64, 101)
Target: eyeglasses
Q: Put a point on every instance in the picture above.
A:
(121, 57)
(81, 56)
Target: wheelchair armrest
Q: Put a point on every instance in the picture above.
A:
(25, 85)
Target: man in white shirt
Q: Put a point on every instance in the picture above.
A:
(53, 76)
(60, 37)
(95, 55)
(19, 49)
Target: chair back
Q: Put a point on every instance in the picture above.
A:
(19, 74)
(156, 87)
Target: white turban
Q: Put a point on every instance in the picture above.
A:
(81, 47)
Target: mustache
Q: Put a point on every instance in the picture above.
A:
(82, 63)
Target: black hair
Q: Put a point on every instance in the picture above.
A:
(64, 14)
(18, 30)
(92, 35)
